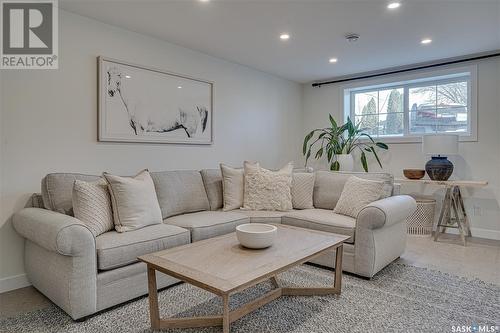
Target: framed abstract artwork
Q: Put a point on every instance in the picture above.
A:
(142, 104)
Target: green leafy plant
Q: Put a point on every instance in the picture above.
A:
(337, 140)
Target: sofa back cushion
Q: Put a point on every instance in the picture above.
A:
(180, 192)
(57, 190)
(212, 179)
(328, 186)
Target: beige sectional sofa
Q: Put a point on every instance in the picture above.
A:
(84, 274)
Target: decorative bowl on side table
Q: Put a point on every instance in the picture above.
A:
(414, 173)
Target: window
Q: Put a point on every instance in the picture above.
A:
(404, 110)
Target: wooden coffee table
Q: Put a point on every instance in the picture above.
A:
(222, 266)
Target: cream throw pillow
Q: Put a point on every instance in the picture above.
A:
(356, 194)
(302, 190)
(232, 187)
(134, 201)
(92, 205)
(266, 189)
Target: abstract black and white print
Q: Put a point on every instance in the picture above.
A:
(145, 105)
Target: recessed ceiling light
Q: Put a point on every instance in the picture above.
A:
(333, 60)
(179, 87)
(284, 36)
(393, 5)
(128, 76)
(426, 41)
(204, 0)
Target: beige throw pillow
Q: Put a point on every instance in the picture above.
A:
(356, 194)
(134, 201)
(92, 205)
(266, 189)
(302, 190)
(232, 187)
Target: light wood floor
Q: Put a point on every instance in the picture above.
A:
(480, 259)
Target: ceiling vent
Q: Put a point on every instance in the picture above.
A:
(352, 37)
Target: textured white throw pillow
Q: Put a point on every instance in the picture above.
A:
(134, 201)
(302, 190)
(92, 205)
(356, 194)
(232, 187)
(266, 189)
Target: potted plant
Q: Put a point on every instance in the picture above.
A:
(339, 142)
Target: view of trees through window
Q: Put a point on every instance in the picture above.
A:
(380, 111)
(430, 108)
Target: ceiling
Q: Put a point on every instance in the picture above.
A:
(247, 32)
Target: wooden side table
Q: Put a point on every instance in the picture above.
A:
(453, 214)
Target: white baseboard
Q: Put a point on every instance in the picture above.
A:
(14, 282)
(479, 233)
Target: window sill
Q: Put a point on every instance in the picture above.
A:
(415, 139)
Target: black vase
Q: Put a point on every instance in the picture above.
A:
(439, 168)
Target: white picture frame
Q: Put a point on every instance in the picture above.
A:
(148, 105)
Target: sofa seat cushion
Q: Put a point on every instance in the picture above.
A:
(208, 224)
(116, 249)
(323, 220)
(263, 216)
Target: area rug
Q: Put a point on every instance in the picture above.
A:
(400, 298)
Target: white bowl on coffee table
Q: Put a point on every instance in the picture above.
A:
(256, 235)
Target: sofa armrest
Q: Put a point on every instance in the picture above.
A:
(53, 231)
(386, 212)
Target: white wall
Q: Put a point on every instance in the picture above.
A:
(477, 160)
(50, 119)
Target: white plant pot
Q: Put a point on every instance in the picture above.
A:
(346, 162)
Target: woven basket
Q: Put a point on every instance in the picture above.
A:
(421, 221)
